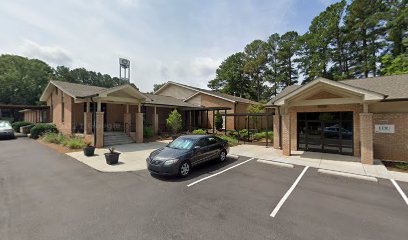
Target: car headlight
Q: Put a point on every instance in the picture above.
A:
(170, 162)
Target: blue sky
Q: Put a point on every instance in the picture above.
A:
(166, 40)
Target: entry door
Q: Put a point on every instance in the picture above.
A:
(330, 132)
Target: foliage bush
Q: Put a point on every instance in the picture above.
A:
(74, 142)
(231, 140)
(199, 132)
(174, 121)
(261, 135)
(218, 121)
(148, 132)
(52, 137)
(16, 125)
(41, 128)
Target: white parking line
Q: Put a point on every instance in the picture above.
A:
(282, 201)
(400, 191)
(215, 174)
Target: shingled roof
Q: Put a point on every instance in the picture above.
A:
(80, 90)
(394, 87)
(215, 93)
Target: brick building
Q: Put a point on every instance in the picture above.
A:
(367, 118)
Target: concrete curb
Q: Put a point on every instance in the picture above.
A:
(350, 175)
(280, 164)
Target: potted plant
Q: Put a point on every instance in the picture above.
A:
(89, 150)
(112, 157)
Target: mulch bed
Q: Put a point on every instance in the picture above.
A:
(396, 166)
(57, 147)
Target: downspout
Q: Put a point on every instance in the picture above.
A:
(94, 120)
(280, 128)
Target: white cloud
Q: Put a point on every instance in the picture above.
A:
(51, 54)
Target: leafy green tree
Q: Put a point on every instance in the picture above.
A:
(255, 66)
(157, 86)
(365, 29)
(273, 64)
(218, 121)
(397, 25)
(288, 49)
(230, 77)
(174, 121)
(22, 80)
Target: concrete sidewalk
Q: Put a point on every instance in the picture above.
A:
(132, 158)
(335, 162)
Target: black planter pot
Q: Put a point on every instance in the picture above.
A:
(112, 158)
(89, 151)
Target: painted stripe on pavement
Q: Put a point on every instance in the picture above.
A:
(282, 201)
(218, 173)
(400, 191)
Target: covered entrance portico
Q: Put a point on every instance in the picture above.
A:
(112, 110)
(326, 116)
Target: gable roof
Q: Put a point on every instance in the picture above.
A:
(213, 93)
(168, 101)
(392, 87)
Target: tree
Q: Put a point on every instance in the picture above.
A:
(272, 76)
(22, 80)
(157, 86)
(230, 77)
(218, 121)
(255, 65)
(174, 121)
(397, 25)
(365, 29)
(287, 52)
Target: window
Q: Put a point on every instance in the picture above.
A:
(62, 107)
(182, 143)
(212, 140)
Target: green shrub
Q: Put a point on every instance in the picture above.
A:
(231, 140)
(16, 125)
(74, 143)
(52, 137)
(261, 135)
(199, 132)
(41, 128)
(174, 121)
(219, 122)
(148, 132)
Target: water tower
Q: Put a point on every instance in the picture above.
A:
(124, 68)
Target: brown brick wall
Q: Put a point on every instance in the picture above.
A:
(355, 108)
(392, 146)
(66, 125)
(366, 139)
(209, 101)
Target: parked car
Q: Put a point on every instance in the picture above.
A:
(179, 156)
(6, 131)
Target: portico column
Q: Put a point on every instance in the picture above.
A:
(99, 129)
(276, 131)
(286, 148)
(88, 119)
(190, 122)
(127, 120)
(139, 126)
(366, 138)
(155, 121)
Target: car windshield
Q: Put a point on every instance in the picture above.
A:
(182, 143)
(4, 125)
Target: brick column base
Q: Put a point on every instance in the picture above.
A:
(87, 123)
(127, 122)
(139, 127)
(155, 124)
(366, 138)
(99, 129)
(276, 132)
(286, 148)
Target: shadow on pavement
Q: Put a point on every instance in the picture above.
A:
(198, 171)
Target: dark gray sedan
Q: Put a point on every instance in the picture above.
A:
(6, 131)
(185, 152)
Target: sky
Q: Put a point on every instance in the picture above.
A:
(165, 40)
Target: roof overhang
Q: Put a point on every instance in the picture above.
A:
(365, 95)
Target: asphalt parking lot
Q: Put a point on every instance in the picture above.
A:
(47, 195)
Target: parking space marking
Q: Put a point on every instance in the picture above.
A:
(215, 174)
(400, 190)
(282, 201)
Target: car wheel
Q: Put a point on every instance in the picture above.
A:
(223, 156)
(184, 169)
